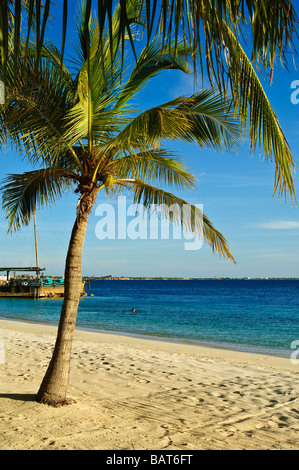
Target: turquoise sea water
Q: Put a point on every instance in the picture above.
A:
(255, 315)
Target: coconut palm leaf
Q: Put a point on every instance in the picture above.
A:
(206, 118)
(152, 61)
(192, 219)
(25, 18)
(24, 193)
(94, 100)
(84, 117)
(265, 131)
(34, 112)
(159, 165)
(273, 25)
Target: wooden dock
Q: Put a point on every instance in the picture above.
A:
(33, 288)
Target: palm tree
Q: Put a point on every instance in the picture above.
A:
(81, 130)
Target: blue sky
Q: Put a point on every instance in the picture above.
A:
(236, 193)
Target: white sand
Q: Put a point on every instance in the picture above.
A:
(142, 394)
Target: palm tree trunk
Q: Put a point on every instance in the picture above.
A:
(54, 386)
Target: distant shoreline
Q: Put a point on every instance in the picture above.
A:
(94, 278)
(164, 278)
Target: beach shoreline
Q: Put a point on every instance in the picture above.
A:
(139, 393)
(242, 348)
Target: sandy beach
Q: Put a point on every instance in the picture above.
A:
(138, 394)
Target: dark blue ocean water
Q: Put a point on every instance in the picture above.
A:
(253, 315)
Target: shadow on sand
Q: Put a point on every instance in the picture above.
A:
(19, 396)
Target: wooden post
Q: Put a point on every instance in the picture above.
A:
(36, 248)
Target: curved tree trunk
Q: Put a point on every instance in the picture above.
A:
(54, 386)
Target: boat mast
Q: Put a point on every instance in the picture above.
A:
(36, 247)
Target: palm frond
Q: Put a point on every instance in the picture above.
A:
(266, 133)
(273, 26)
(34, 112)
(206, 118)
(278, 31)
(54, 56)
(159, 165)
(213, 120)
(94, 99)
(24, 193)
(193, 220)
(152, 61)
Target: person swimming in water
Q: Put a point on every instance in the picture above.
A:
(133, 310)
